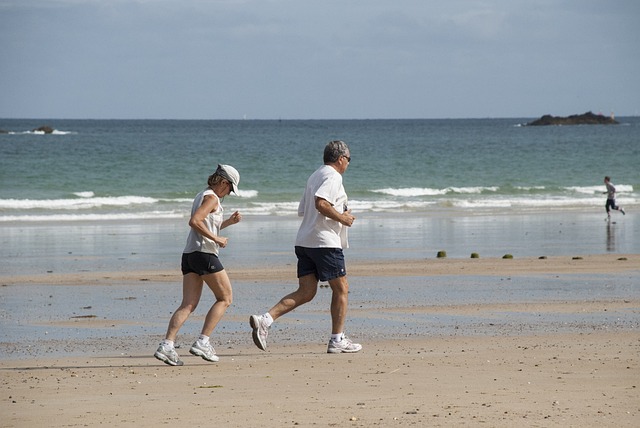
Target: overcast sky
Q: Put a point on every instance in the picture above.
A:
(301, 59)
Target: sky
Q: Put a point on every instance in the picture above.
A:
(300, 59)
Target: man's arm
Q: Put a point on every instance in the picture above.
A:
(326, 209)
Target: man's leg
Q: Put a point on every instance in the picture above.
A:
(307, 289)
(339, 343)
(339, 303)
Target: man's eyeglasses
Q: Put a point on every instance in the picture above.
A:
(348, 158)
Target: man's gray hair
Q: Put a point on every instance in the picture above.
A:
(334, 150)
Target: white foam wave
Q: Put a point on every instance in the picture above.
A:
(412, 192)
(86, 200)
(73, 204)
(529, 188)
(586, 190)
(54, 132)
(590, 190)
(155, 215)
(84, 194)
(273, 208)
(90, 207)
(247, 194)
(528, 203)
(382, 205)
(409, 192)
(464, 190)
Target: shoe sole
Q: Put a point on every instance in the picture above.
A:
(199, 353)
(331, 350)
(342, 351)
(166, 360)
(253, 321)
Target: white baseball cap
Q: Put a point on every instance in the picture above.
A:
(230, 174)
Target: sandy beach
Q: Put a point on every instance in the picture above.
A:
(558, 361)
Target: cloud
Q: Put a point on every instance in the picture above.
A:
(292, 59)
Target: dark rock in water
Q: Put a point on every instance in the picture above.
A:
(2, 131)
(587, 118)
(45, 129)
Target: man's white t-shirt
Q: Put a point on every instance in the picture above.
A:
(316, 230)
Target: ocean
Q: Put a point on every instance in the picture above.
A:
(119, 169)
(105, 194)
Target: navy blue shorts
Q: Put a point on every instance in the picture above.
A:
(325, 263)
(611, 203)
(200, 263)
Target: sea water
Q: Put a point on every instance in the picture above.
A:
(136, 169)
(98, 195)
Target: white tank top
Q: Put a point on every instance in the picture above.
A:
(197, 242)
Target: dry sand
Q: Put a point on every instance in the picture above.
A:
(577, 379)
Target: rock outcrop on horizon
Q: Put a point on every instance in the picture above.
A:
(45, 129)
(587, 118)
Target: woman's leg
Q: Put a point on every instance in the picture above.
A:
(191, 291)
(220, 285)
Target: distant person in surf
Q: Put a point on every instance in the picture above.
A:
(611, 198)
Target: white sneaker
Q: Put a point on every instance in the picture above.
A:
(168, 355)
(345, 345)
(205, 351)
(260, 331)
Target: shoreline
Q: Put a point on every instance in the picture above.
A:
(265, 241)
(577, 264)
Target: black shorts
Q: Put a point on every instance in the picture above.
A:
(325, 263)
(200, 263)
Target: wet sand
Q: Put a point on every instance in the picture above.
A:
(447, 342)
